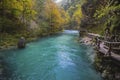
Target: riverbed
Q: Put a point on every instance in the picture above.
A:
(58, 57)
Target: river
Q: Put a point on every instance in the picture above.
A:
(58, 57)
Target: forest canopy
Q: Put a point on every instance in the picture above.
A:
(94, 15)
(29, 18)
(36, 18)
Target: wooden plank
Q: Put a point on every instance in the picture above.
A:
(115, 48)
(116, 56)
(103, 50)
(108, 41)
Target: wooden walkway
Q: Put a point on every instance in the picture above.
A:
(109, 49)
(103, 50)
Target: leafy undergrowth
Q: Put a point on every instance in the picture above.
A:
(10, 40)
(96, 30)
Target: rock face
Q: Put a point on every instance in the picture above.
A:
(88, 10)
(21, 43)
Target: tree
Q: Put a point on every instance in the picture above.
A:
(109, 15)
(77, 16)
(15, 12)
(53, 16)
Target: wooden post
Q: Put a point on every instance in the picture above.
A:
(96, 40)
(98, 43)
(109, 50)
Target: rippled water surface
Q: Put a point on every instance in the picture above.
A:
(58, 57)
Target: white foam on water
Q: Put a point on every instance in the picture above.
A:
(71, 31)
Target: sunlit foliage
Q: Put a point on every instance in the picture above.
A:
(109, 15)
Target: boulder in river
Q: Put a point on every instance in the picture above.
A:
(21, 43)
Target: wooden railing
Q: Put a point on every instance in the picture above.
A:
(110, 46)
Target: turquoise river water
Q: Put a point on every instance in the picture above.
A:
(58, 57)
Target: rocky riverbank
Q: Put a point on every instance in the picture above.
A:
(105, 65)
(86, 40)
(89, 39)
(10, 42)
(8, 45)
